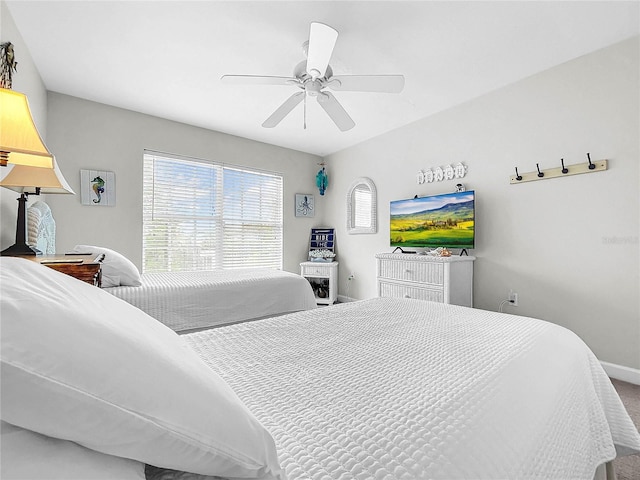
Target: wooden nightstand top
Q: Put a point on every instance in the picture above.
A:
(86, 267)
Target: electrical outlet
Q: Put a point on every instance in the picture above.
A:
(513, 298)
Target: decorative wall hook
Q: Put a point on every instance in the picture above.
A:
(564, 171)
(518, 176)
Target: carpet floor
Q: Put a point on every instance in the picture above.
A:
(628, 468)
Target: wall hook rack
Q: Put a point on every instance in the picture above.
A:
(563, 171)
(518, 176)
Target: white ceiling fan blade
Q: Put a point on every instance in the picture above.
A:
(322, 39)
(367, 83)
(283, 110)
(257, 80)
(338, 114)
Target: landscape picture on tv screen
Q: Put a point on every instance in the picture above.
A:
(446, 220)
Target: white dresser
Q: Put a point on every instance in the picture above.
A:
(323, 278)
(439, 279)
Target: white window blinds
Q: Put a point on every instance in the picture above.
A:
(200, 215)
(362, 202)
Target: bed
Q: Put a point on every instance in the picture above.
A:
(381, 388)
(195, 300)
(187, 301)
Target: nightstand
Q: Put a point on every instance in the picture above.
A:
(87, 268)
(323, 278)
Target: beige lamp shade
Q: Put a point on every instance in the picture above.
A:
(20, 142)
(27, 179)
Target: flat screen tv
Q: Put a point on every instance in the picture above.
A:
(446, 220)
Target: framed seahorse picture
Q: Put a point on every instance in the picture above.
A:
(98, 188)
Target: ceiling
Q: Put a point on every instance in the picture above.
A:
(165, 58)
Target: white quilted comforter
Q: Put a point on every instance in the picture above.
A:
(406, 389)
(194, 300)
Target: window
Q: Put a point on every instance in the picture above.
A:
(199, 215)
(362, 207)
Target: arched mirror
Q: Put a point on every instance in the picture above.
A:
(362, 207)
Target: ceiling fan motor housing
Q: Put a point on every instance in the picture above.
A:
(313, 87)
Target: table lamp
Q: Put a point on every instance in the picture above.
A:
(20, 141)
(31, 181)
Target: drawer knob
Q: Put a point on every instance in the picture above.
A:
(406, 295)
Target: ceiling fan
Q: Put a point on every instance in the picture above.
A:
(314, 75)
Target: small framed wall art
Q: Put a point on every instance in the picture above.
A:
(305, 206)
(98, 188)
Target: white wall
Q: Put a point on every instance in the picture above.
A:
(88, 135)
(568, 246)
(26, 80)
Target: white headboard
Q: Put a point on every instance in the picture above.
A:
(41, 228)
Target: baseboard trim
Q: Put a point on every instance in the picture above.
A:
(620, 372)
(345, 299)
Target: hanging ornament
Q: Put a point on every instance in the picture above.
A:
(8, 65)
(322, 181)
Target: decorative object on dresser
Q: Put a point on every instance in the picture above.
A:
(31, 181)
(424, 277)
(84, 267)
(323, 279)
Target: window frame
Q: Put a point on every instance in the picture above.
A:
(214, 229)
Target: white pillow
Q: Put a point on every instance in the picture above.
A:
(116, 268)
(80, 364)
(29, 455)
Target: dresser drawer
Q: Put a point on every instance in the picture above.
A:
(424, 272)
(425, 277)
(397, 290)
(316, 270)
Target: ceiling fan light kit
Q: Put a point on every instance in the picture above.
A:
(314, 75)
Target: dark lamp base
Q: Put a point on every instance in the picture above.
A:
(23, 250)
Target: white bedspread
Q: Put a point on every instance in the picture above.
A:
(194, 300)
(406, 389)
